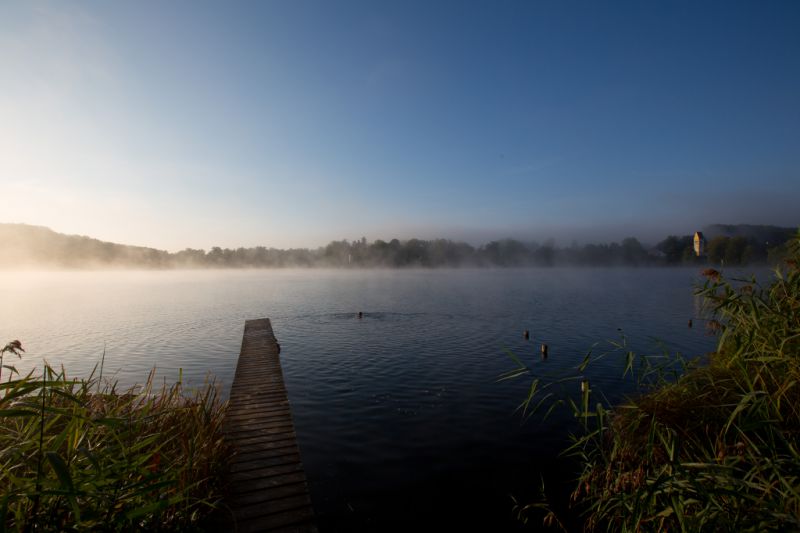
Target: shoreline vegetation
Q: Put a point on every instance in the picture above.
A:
(79, 454)
(707, 445)
(26, 246)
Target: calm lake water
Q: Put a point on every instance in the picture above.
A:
(400, 418)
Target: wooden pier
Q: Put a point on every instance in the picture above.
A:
(268, 485)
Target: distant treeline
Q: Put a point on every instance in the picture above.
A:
(25, 245)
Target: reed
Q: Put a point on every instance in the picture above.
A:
(712, 446)
(79, 454)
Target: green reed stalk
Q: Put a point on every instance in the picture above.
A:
(78, 454)
(712, 446)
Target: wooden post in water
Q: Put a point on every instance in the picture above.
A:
(268, 485)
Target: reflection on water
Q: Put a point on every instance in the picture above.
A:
(399, 416)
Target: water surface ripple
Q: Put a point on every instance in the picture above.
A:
(399, 415)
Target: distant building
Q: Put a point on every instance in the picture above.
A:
(699, 244)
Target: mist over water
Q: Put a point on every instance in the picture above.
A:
(458, 175)
(36, 247)
(399, 415)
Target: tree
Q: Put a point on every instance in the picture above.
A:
(633, 253)
(717, 248)
(673, 248)
(544, 255)
(735, 251)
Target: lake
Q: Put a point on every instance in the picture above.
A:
(400, 417)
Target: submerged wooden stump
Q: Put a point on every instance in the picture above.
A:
(268, 485)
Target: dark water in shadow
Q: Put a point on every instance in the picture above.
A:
(400, 418)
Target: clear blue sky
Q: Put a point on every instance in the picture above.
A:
(175, 124)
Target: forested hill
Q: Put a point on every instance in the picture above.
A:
(23, 245)
(762, 234)
(35, 246)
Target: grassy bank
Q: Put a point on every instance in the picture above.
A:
(718, 448)
(78, 454)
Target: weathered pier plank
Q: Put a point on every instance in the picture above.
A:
(269, 491)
